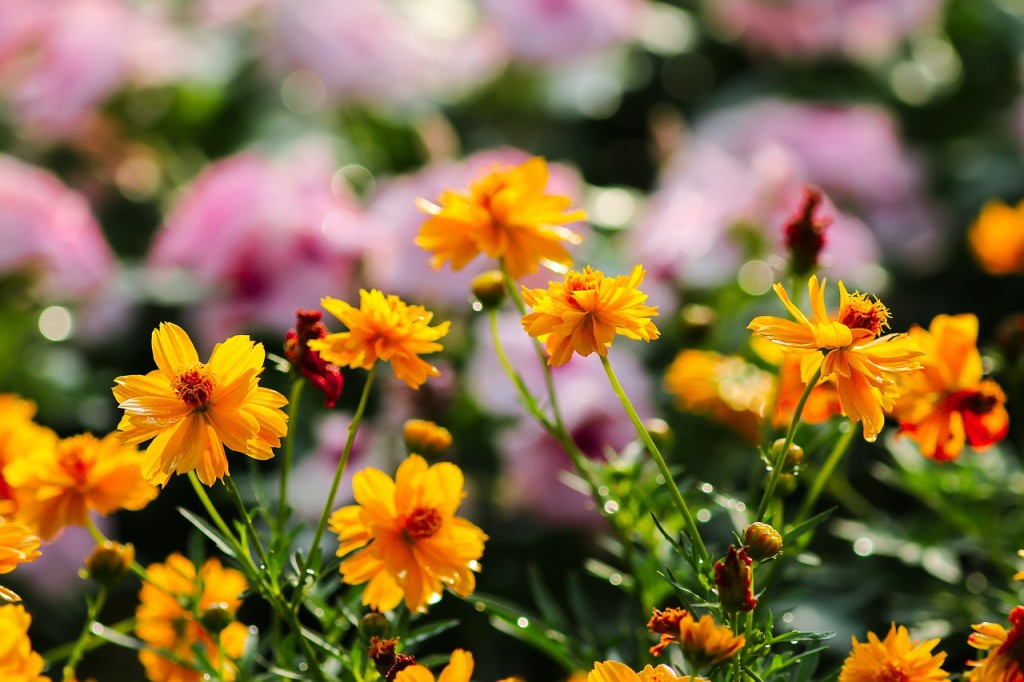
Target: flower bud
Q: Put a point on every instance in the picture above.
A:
(786, 485)
(794, 455)
(489, 289)
(374, 624)
(109, 562)
(216, 617)
(734, 578)
(426, 438)
(763, 542)
(804, 233)
(325, 376)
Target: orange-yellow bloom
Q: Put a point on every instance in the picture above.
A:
(18, 662)
(703, 642)
(192, 409)
(19, 437)
(170, 617)
(18, 545)
(507, 215)
(848, 349)
(59, 487)
(613, 671)
(585, 312)
(946, 403)
(896, 657)
(382, 328)
(459, 669)
(1003, 661)
(410, 542)
(997, 238)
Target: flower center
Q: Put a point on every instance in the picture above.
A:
(194, 385)
(979, 401)
(892, 671)
(587, 280)
(860, 312)
(423, 522)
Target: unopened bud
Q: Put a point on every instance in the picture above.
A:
(734, 578)
(489, 289)
(804, 233)
(216, 617)
(763, 542)
(109, 562)
(374, 624)
(794, 455)
(786, 485)
(426, 438)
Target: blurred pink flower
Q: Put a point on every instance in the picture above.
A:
(48, 231)
(266, 237)
(862, 30)
(395, 264)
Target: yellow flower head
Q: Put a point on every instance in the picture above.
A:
(18, 545)
(613, 671)
(18, 663)
(947, 404)
(426, 438)
(894, 658)
(411, 543)
(19, 437)
(382, 328)
(585, 312)
(703, 642)
(58, 488)
(192, 409)
(848, 349)
(507, 215)
(459, 669)
(1003, 661)
(997, 238)
(169, 616)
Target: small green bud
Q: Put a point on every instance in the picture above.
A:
(489, 288)
(763, 542)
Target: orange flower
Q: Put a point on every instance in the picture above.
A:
(383, 328)
(19, 437)
(410, 542)
(59, 487)
(848, 349)
(894, 658)
(459, 669)
(1003, 662)
(506, 215)
(192, 409)
(997, 238)
(172, 604)
(18, 662)
(18, 545)
(703, 642)
(947, 404)
(613, 671)
(822, 404)
(585, 312)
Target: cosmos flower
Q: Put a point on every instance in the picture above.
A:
(613, 671)
(896, 657)
(18, 662)
(459, 669)
(1002, 663)
(18, 545)
(20, 437)
(997, 238)
(703, 641)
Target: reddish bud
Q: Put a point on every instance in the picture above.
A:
(734, 578)
(325, 376)
(805, 233)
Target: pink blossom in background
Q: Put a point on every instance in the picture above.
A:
(395, 264)
(265, 237)
(54, 575)
(862, 30)
(556, 30)
(49, 231)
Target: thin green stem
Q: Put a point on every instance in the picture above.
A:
(97, 535)
(261, 552)
(524, 393)
(287, 454)
(825, 474)
(211, 511)
(773, 476)
(95, 606)
(737, 659)
(645, 436)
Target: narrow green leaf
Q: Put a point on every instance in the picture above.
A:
(209, 532)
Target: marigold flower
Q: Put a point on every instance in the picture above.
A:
(585, 312)
(946, 403)
(411, 543)
(324, 376)
(383, 328)
(848, 349)
(19, 437)
(18, 545)
(58, 488)
(894, 658)
(613, 671)
(171, 605)
(703, 642)
(506, 215)
(192, 409)
(18, 662)
(1002, 664)
(997, 238)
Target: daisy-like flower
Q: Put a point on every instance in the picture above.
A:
(507, 215)
(585, 312)
(20, 437)
(18, 545)
(1003, 661)
(896, 657)
(170, 616)
(848, 349)
(703, 642)
(947, 404)
(192, 409)
(613, 671)
(997, 238)
(459, 669)
(382, 328)
(18, 662)
(59, 487)
(410, 542)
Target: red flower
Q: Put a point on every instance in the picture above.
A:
(325, 376)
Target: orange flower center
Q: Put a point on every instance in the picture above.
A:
(979, 401)
(75, 466)
(587, 280)
(194, 385)
(423, 522)
(892, 671)
(859, 312)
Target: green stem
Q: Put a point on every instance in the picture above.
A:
(825, 474)
(294, 396)
(645, 436)
(229, 483)
(95, 606)
(773, 477)
(737, 659)
(517, 381)
(97, 535)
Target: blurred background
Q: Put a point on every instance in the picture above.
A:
(221, 163)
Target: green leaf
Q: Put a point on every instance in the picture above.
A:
(209, 532)
(425, 632)
(513, 621)
(802, 528)
(549, 609)
(803, 636)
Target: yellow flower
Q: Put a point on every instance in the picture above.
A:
(426, 438)
(18, 663)
(169, 617)
(613, 671)
(193, 409)
(58, 488)
(382, 328)
(18, 545)
(848, 349)
(894, 658)
(997, 238)
(584, 313)
(703, 642)
(507, 215)
(19, 437)
(1003, 662)
(411, 543)
(459, 669)
(946, 403)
